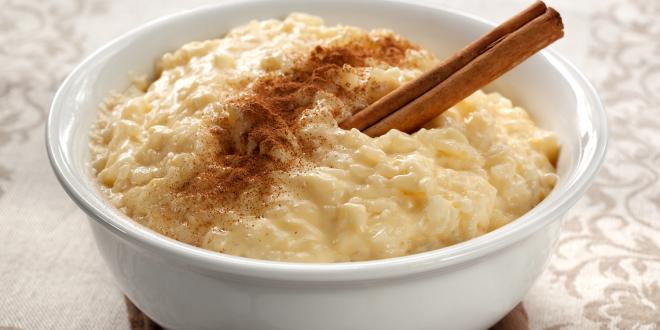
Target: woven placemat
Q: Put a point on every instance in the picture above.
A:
(516, 320)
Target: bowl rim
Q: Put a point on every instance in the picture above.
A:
(586, 168)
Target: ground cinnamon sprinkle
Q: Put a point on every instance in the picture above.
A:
(240, 175)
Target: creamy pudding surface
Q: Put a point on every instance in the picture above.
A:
(235, 147)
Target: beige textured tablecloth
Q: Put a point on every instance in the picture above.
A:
(605, 272)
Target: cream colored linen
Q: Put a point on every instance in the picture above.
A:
(603, 274)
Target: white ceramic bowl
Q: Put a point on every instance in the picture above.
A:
(466, 286)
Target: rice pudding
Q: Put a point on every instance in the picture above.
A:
(234, 147)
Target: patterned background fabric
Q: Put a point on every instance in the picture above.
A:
(605, 272)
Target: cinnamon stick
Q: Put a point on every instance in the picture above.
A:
(414, 104)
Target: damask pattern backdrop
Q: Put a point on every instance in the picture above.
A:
(605, 272)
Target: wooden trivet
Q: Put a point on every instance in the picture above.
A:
(516, 320)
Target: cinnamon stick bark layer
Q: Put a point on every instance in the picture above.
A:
(414, 104)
